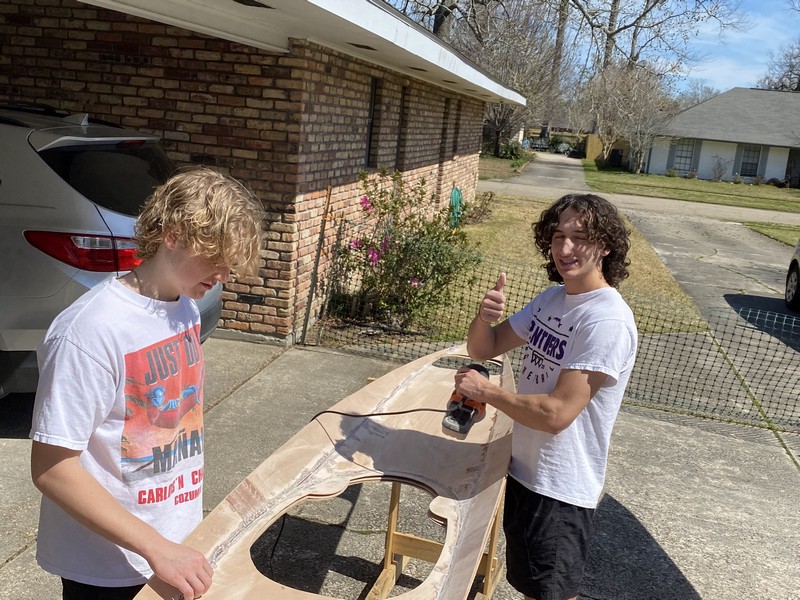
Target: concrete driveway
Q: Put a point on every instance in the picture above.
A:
(691, 510)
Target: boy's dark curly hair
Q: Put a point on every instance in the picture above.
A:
(604, 226)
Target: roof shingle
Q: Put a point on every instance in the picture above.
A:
(742, 115)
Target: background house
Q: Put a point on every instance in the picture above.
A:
(293, 97)
(746, 132)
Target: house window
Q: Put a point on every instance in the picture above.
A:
(684, 153)
(402, 133)
(751, 155)
(457, 127)
(446, 125)
(373, 124)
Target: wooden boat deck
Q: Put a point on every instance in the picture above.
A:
(464, 474)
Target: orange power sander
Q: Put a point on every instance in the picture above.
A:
(462, 412)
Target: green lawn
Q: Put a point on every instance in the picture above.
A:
(679, 188)
(767, 197)
(498, 168)
(788, 234)
(693, 190)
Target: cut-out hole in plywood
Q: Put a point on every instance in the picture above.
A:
(335, 547)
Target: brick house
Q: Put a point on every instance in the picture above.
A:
(293, 97)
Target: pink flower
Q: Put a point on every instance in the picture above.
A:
(374, 256)
(366, 204)
(415, 282)
(385, 244)
(356, 244)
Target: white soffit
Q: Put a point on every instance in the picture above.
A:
(367, 29)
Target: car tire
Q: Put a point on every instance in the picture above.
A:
(792, 295)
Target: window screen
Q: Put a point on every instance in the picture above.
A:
(750, 158)
(684, 153)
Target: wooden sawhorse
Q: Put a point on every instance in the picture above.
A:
(402, 546)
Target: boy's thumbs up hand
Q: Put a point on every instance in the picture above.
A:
(494, 301)
(501, 282)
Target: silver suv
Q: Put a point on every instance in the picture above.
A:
(792, 295)
(70, 190)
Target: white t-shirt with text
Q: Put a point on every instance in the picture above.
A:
(594, 331)
(121, 380)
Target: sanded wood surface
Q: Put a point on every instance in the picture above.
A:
(464, 474)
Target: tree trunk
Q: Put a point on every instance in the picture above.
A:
(611, 33)
(439, 18)
(558, 55)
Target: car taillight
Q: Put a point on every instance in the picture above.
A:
(100, 253)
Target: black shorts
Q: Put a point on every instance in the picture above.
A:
(72, 590)
(547, 542)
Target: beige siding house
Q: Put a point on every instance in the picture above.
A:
(747, 133)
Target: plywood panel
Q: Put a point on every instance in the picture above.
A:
(464, 474)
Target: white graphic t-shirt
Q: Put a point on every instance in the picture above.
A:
(594, 331)
(121, 379)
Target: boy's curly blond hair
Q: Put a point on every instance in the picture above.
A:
(210, 214)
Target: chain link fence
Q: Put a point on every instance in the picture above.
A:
(740, 366)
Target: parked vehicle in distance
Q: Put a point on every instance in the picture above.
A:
(792, 294)
(70, 190)
(563, 148)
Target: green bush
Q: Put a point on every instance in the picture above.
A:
(479, 210)
(402, 263)
(513, 151)
(555, 141)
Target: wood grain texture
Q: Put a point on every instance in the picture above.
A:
(463, 474)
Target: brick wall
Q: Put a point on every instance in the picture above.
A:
(290, 126)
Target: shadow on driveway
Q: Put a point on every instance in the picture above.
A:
(768, 315)
(627, 563)
(17, 411)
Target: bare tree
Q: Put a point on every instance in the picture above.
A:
(438, 16)
(524, 43)
(515, 43)
(627, 103)
(783, 70)
(595, 109)
(644, 108)
(656, 31)
(501, 122)
(514, 40)
(696, 92)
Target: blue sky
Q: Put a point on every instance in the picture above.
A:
(740, 59)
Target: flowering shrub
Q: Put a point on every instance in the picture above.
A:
(399, 266)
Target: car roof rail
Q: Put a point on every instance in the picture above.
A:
(14, 122)
(34, 107)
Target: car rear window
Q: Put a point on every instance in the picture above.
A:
(118, 177)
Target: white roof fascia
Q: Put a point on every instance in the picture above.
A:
(367, 29)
